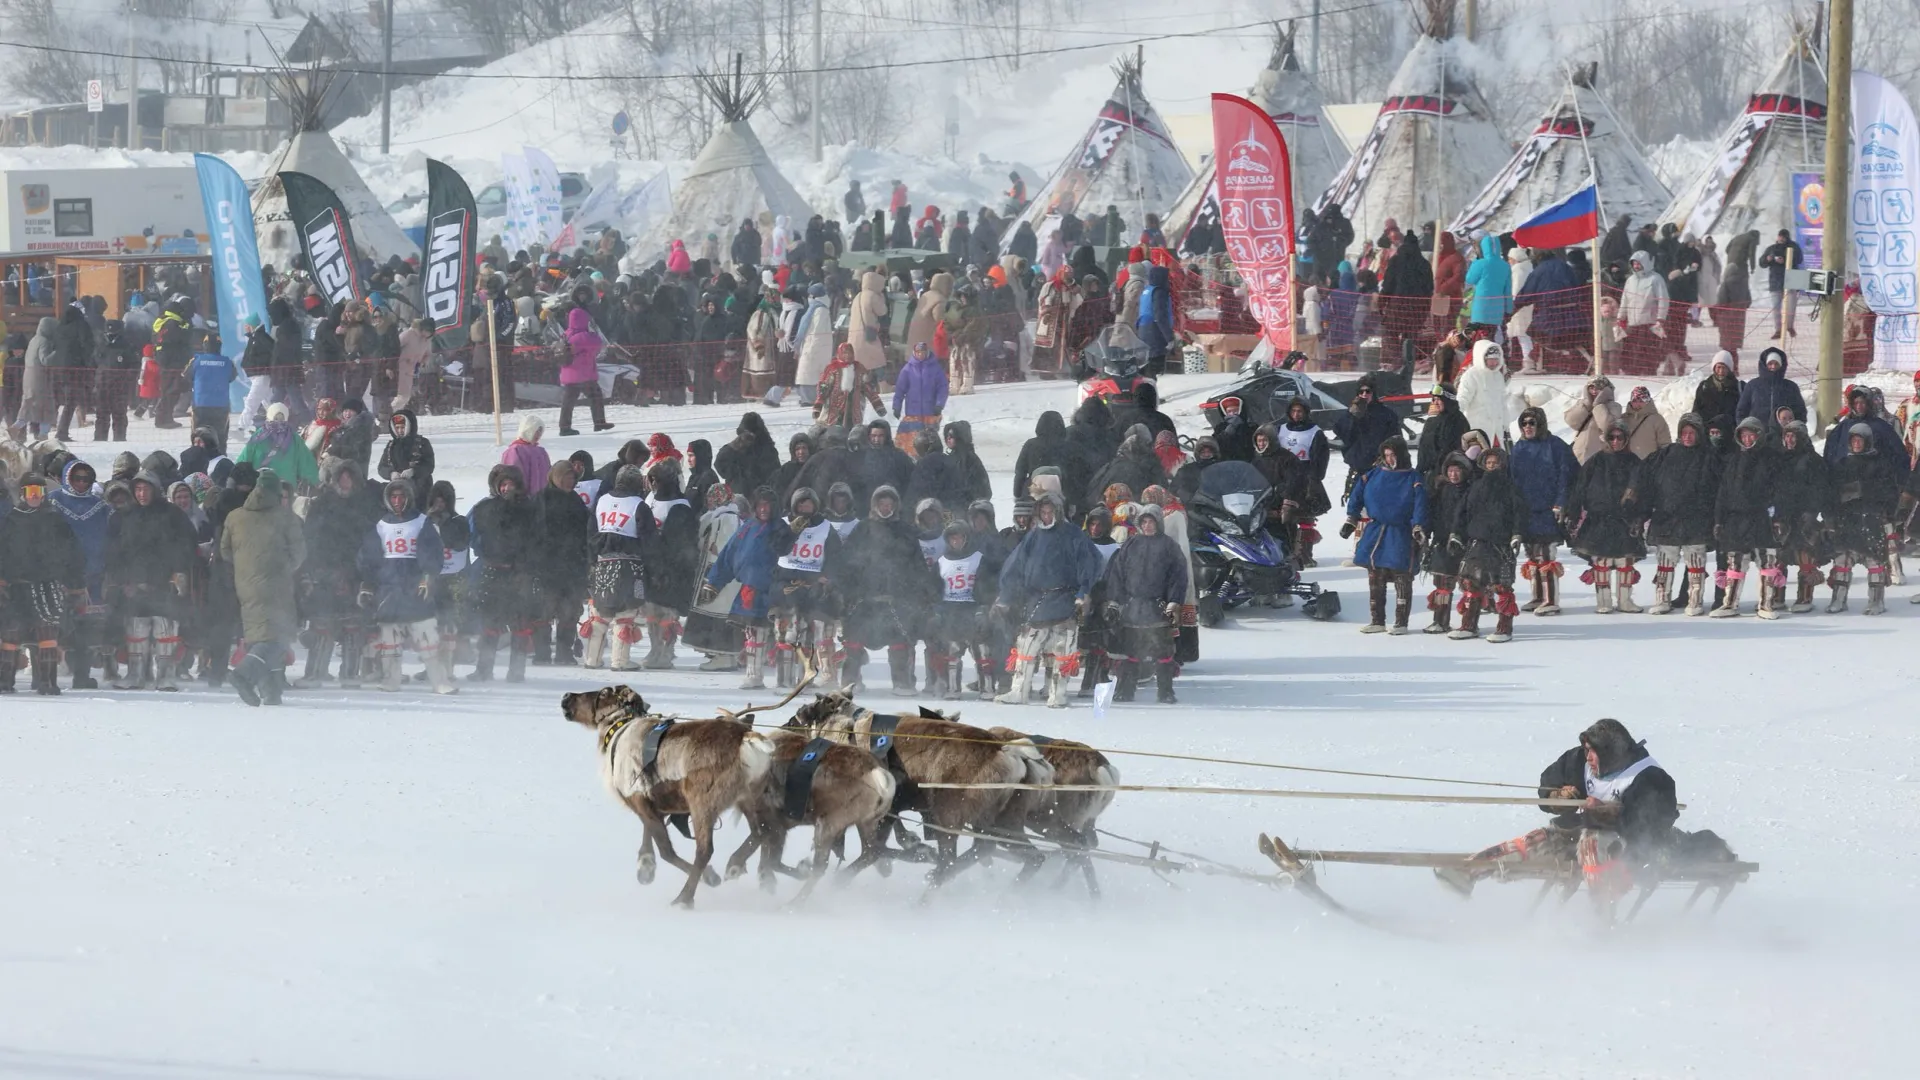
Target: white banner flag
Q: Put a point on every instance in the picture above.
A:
(1885, 198)
(547, 219)
(520, 207)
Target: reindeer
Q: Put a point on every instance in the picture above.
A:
(850, 790)
(701, 768)
(931, 748)
(1068, 817)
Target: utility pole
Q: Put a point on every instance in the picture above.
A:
(1016, 35)
(386, 77)
(819, 61)
(133, 86)
(1472, 20)
(1313, 40)
(1833, 230)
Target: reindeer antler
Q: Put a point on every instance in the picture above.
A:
(807, 674)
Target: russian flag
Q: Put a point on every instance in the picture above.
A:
(1573, 220)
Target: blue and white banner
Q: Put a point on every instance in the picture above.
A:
(521, 211)
(237, 288)
(545, 194)
(1885, 199)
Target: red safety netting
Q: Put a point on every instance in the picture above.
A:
(1364, 330)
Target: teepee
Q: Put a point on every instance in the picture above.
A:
(310, 150)
(733, 179)
(1579, 138)
(1783, 130)
(1126, 160)
(1433, 144)
(1297, 106)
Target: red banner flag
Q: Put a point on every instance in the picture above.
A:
(1256, 211)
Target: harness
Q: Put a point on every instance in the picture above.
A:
(881, 743)
(800, 778)
(650, 749)
(613, 733)
(880, 738)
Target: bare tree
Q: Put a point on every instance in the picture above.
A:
(47, 76)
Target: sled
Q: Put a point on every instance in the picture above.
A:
(1562, 874)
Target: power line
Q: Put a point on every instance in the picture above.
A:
(671, 77)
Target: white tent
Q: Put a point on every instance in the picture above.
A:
(1783, 130)
(732, 180)
(1433, 144)
(1554, 163)
(1297, 106)
(1126, 160)
(375, 234)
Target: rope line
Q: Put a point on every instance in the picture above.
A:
(1272, 793)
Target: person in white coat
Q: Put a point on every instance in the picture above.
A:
(1483, 391)
(1642, 318)
(813, 340)
(1520, 266)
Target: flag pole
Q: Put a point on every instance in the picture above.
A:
(1599, 218)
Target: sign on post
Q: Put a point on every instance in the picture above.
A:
(96, 96)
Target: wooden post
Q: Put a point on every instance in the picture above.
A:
(1833, 231)
(1599, 365)
(493, 357)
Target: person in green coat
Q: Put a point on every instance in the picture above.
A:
(263, 543)
(276, 446)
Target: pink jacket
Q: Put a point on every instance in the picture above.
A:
(585, 345)
(677, 260)
(531, 459)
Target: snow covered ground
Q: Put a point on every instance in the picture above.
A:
(367, 886)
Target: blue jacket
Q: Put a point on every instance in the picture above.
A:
(88, 515)
(1560, 305)
(1544, 468)
(1491, 280)
(1154, 321)
(1394, 501)
(1886, 441)
(1049, 571)
(1360, 439)
(749, 559)
(212, 374)
(1766, 392)
(396, 582)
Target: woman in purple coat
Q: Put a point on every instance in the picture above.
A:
(919, 396)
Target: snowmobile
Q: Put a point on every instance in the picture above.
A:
(1265, 388)
(1112, 364)
(1236, 561)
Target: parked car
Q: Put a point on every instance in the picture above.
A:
(491, 201)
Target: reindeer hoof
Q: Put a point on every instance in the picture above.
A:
(709, 878)
(736, 872)
(685, 902)
(644, 872)
(883, 867)
(769, 883)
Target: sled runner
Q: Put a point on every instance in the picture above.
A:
(1559, 866)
